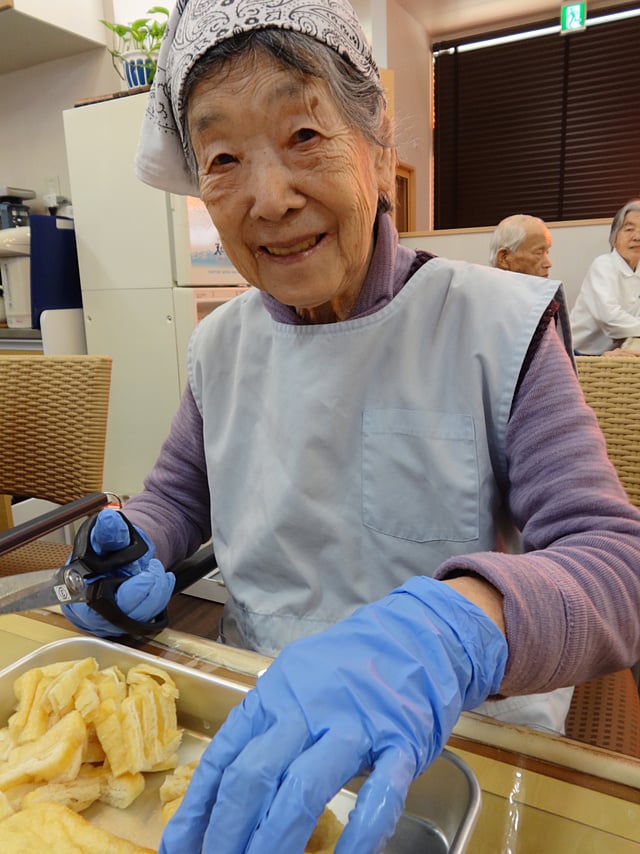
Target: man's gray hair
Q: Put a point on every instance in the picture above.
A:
(509, 234)
(616, 225)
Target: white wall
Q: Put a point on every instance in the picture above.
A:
(31, 105)
(33, 99)
(125, 11)
(409, 57)
(574, 247)
(80, 16)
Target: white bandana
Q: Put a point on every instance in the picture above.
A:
(196, 25)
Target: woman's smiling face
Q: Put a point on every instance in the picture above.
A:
(628, 239)
(291, 188)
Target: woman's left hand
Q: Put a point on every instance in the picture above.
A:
(380, 691)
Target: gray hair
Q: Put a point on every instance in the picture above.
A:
(509, 234)
(360, 100)
(618, 220)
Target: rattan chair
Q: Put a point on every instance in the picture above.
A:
(606, 712)
(611, 387)
(53, 422)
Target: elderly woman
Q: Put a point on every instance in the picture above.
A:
(359, 432)
(607, 309)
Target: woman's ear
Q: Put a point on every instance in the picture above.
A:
(386, 160)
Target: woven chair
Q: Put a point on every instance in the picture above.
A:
(606, 711)
(611, 387)
(53, 421)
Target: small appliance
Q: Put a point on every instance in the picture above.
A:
(13, 212)
(15, 275)
(38, 269)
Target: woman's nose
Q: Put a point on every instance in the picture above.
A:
(272, 189)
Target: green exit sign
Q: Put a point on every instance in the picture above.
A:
(573, 17)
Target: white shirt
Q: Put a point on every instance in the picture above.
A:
(608, 305)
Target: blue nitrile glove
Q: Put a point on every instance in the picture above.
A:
(141, 597)
(379, 691)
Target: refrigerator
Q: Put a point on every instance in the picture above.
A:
(151, 266)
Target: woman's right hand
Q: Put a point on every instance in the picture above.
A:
(144, 595)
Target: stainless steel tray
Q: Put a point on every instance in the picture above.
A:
(442, 805)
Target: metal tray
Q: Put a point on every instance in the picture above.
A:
(442, 804)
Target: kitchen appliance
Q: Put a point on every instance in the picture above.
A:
(13, 212)
(55, 277)
(38, 269)
(15, 275)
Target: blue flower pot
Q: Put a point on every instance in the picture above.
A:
(138, 69)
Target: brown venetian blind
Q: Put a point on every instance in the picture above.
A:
(548, 126)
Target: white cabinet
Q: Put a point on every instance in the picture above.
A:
(35, 31)
(141, 273)
(135, 327)
(123, 239)
(122, 225)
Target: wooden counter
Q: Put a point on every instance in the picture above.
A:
(541, 793)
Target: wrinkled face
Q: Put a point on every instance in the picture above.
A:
(532, 256)
(291, 188)
(628, 239)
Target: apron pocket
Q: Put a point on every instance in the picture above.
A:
(420, 475)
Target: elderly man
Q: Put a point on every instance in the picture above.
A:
(521, 243)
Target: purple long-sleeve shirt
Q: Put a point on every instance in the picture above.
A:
(571, 599)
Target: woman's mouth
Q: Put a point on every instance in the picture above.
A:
(294, 248)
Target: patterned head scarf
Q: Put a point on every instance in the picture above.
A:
(195, 26)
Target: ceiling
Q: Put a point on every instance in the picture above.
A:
(466, 17)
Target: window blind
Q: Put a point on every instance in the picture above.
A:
(548, 126)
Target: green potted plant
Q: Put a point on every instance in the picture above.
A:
(136, 46)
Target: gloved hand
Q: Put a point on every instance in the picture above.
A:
(142, 596)
(379, 691)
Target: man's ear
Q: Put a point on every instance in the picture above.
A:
(502, 259)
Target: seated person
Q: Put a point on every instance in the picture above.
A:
(521, 243)
(357, 432)
(607, 310)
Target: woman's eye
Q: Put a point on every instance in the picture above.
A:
(304, 135)
(222, 160)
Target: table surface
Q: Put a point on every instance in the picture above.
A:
(540, 793)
